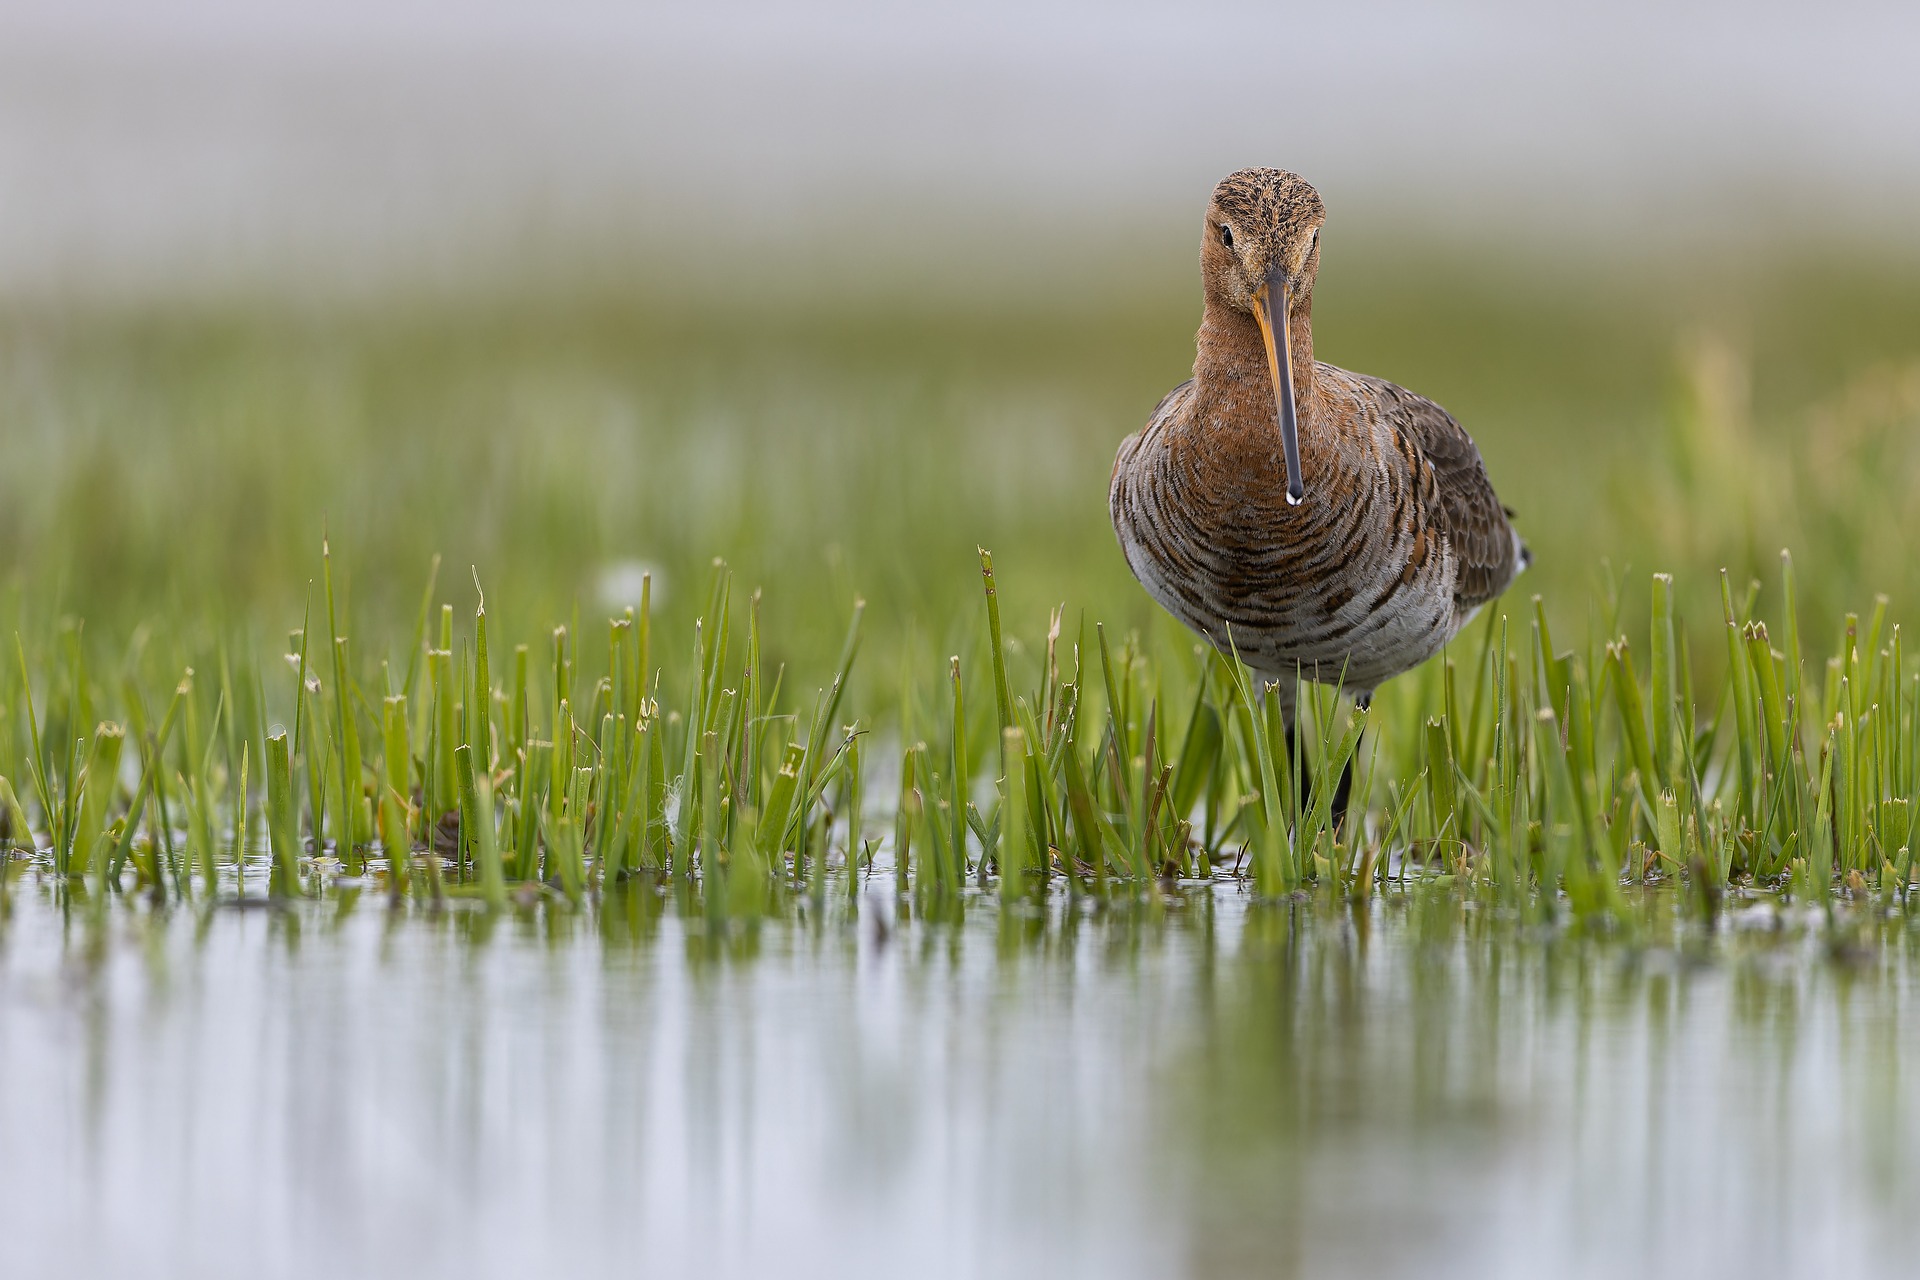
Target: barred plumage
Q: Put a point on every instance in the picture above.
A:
(1398, 537)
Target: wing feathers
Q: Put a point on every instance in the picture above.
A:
(1485, 546)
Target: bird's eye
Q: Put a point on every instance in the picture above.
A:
(1226, 235)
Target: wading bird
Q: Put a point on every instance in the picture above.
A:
(1322, 524)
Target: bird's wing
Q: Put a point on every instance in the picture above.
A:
(1484, 545)
(1164, 412)
(1170, 405)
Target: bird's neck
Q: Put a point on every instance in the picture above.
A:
(1231, 357)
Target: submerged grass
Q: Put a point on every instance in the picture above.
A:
(1543, 778)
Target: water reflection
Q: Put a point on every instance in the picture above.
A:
(1418, 1085)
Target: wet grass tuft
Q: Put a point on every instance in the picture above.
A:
(1547, 780)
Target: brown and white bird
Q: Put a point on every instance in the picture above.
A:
(1321, 523)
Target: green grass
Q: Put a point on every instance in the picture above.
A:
(176, 470)
(1545, 778)
(187, 671)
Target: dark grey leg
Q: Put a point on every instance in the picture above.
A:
(1344, 790)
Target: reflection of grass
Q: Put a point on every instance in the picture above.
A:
(166, 480)
(1373, 1080)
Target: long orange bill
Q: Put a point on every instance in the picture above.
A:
(1270, 309)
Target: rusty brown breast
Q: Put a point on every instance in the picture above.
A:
(1400, 537)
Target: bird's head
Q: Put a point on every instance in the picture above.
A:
(1262, 233)
(1259, 253)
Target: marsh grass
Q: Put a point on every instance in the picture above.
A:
(1547, 780)
(611, 708)
(172, 468)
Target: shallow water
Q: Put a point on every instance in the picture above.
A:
(1417, 1086)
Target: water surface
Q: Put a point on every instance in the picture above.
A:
(1192, 1085)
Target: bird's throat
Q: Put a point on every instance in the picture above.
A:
(1230, 370)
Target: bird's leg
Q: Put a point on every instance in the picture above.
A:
(1344, 790)
(1300, 769)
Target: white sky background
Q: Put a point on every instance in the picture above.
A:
(218, 144)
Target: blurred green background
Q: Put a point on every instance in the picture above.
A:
(840, 290)
(179, 465)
